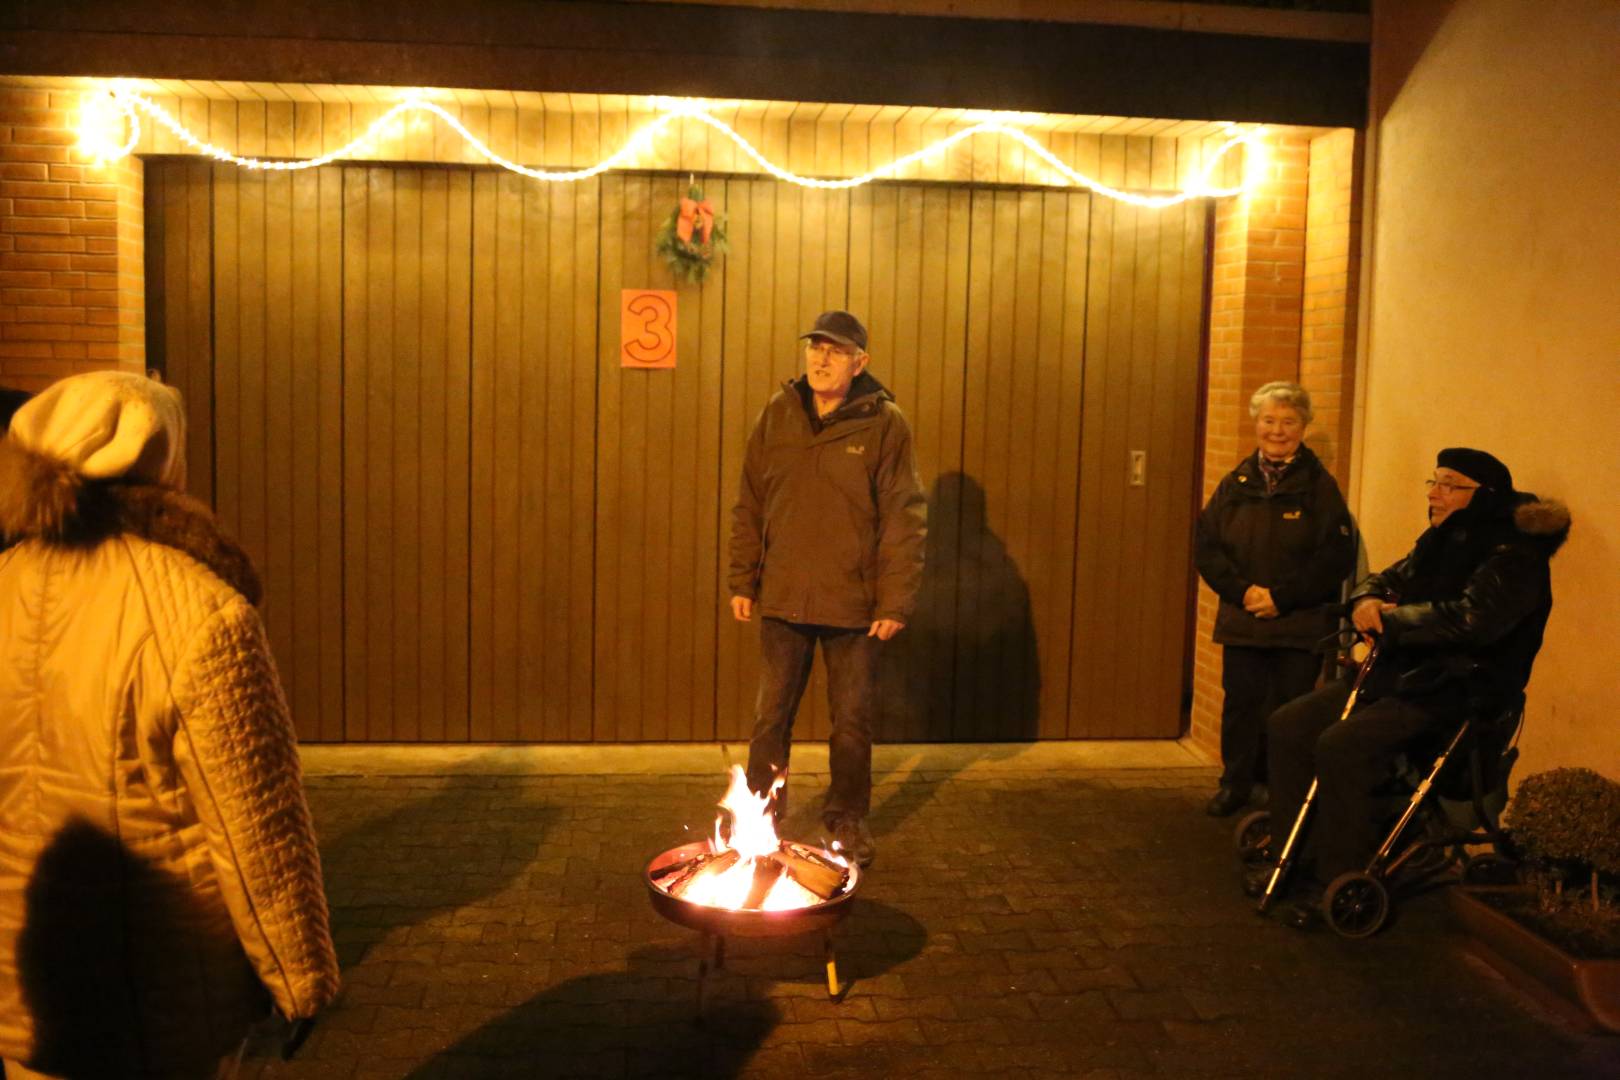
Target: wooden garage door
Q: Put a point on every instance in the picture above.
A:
(476, 525)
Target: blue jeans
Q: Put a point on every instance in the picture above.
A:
(787, 651)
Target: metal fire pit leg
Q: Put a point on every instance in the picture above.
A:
(711, 955)
(835, 991)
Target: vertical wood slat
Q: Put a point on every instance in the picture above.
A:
(379, 385)
(734, 641)
(275, 407)
(356, 534)
(481, 577)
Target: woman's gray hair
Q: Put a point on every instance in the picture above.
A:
(1293, 395)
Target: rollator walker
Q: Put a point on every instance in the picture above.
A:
(1464, 812)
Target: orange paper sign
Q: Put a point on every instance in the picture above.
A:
(646, 328)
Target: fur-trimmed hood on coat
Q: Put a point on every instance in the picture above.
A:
(44, 498)
(1544, 522)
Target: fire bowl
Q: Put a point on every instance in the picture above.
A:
(728, 922)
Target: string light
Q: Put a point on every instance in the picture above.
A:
(101, 123)
(130, 103)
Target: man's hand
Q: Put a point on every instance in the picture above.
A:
(1368, 615)
(884, 629)
(1257, 601)
(742, 608)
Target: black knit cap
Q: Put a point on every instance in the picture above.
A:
(1478, 466)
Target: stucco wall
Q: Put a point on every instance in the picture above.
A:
(1494, 316)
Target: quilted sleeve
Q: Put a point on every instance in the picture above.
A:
(236, 750)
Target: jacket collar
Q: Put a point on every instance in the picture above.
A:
(1252, 481)
(44, 499)
(866, 396)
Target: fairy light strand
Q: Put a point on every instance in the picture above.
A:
(132, 104)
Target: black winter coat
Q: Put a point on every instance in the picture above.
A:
(1474, 595)
(1298, 541)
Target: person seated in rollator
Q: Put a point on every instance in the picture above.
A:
(1276, 544)
(1460, 620)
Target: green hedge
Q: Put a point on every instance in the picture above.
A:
(1568, 815)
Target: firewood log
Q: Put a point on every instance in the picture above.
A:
(819, 876)
(713, 864)
(766, 871)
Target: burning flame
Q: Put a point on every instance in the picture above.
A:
(752, 837)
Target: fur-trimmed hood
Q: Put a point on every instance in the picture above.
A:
(1544, 521)
(43, 498)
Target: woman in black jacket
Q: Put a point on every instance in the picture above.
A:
(1274, 542)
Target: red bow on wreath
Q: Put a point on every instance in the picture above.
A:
(691, 211)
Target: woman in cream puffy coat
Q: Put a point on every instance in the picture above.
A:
(158, 871)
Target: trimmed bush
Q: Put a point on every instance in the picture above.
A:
(1569, 816)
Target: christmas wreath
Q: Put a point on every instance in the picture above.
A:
(692, 236)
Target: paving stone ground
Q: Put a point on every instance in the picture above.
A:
(1066, 923)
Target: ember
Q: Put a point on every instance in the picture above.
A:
(748, 867)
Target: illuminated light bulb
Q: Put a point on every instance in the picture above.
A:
(126, 103)
(102, 120)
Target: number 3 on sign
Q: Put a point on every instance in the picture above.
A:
(647, 328)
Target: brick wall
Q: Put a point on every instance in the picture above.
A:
(1282, 306)
(1332, 270)
(71, 268)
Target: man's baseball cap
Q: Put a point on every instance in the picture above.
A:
(841, 327)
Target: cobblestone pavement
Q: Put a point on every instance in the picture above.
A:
(1071, 923)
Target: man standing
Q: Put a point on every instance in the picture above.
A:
(827, 545)
(1461, 620)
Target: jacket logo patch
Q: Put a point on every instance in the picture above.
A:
(852, 449)
(1292, 515)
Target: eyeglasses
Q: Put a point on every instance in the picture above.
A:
(842, 352)
(1446, 487)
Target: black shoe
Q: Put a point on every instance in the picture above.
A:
(1304, 914)
(1259, 796)
(1227, 801)
(853, 840)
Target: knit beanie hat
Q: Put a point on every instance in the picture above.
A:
(106, 425)
(1478, 466)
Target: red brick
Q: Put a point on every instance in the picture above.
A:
(45, 154)
(67, 244)
(47, 314)
(24, 170)
(25, 279)
(53, 297)
(94, 192)
(34, 332)
(48, 208)
(49, 225)
(18, 260)
(33, 189)
(23, 135)
(18, 97)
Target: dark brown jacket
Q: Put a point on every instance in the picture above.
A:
(829, 524)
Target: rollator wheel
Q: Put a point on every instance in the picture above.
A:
(1489, 868)
(1252, 835)
(1356, 905)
